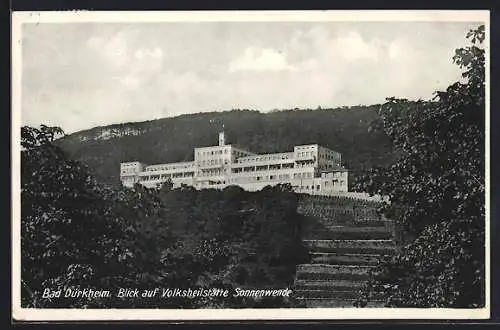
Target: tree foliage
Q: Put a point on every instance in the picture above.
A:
(437, 191)
(233, 238)
(79, 233)
(69, 237)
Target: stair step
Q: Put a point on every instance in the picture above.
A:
(339, 285)
(332, 276)
(325, 268)
(322, 272)
(334, 303)
(326, 294)
(344, 259)
(381, 247)
(352, 229)
(333, 222)
(350, 233)
(372, 223)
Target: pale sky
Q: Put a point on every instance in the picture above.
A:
(82, 75)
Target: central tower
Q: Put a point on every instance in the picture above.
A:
(222, 139)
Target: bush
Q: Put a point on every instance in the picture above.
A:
(437, 192)
(78, 233)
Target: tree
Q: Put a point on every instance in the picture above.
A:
(231, 238)
(437, 191)
(69, 237)
(79, 233)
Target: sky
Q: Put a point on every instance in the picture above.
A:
(81, 75)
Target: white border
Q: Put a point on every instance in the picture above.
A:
(18, 18)
(253, 16)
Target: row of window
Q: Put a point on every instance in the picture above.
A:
(304, 164)
(238, 154)
(306, 175)
(129, 164)
(235, 153)
(265, 158)
(304, 154)
(328, 156)
(333, 174)
(335, 183)
(212, 152)
(167, 176)
(212, 172)
(218, 161)
(281, 177)
(225, 162)
(304, 147)
(318, 187)
(326, 166)
(168, 167)
(270, 167)
(211, 182)
(215, 172)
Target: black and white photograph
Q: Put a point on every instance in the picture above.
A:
(250, 165)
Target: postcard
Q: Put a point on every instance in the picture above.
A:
(250, 165)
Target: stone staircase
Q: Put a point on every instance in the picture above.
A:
(341, 256)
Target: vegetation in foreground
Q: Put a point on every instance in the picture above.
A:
(78, 233)
(437, 193)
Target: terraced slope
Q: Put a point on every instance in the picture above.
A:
(345, 238)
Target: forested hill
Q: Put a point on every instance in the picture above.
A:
(172, 139)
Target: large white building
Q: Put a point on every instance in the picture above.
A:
(308, 168)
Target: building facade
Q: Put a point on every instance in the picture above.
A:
(310, 169)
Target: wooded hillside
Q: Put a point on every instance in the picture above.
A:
(172, 139)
